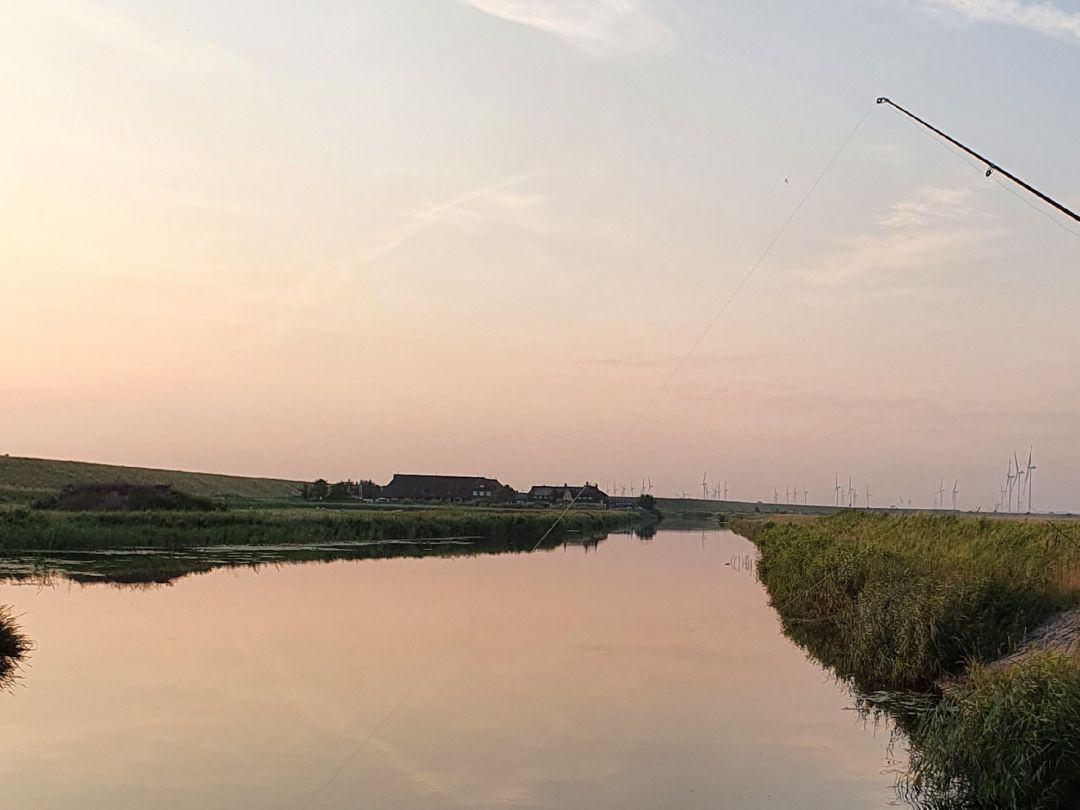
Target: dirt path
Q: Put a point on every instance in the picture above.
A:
(1061, 633)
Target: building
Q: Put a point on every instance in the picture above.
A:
(566, 494)
(445, 488)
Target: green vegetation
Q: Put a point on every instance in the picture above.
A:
(13, 647)
(1011, 735)
(25, 480)
(322, 490)
(925, 603)
(23, 529)
(901, 602)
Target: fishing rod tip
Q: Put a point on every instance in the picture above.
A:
(882, 100)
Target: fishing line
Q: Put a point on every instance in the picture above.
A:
(559, 519)
(750, 273)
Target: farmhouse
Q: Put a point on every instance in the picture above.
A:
(590, 493)
(445, 488)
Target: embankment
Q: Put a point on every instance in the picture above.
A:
(929, 604)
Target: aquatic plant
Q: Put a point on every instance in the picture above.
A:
(1002, 738)
(14, 646)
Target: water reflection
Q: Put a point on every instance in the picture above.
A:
(617, 674)
(152, 567)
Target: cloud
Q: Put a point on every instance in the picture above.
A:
(456, 210)
(933, 226)
(600, 27)
(123, 32)
(1041, 17)
(877, 260)
(929, 205)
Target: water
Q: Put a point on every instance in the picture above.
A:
(630, 675)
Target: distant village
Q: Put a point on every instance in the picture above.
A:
(464, 489)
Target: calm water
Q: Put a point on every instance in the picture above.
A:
(634, 675)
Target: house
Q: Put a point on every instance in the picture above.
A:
(566, 494)
(446, 488)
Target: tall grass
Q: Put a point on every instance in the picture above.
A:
(901, 602)
(27, 530)
(925, 603)
(14, 646)
(1003, 738)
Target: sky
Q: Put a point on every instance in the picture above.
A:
(348, 239)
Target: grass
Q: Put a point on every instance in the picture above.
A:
(23, 529)
(24, 480)
(924, 603)
(1002, 738)
(902, 602)
(14, 646)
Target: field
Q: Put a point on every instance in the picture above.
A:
(927, 604)
(24, 480)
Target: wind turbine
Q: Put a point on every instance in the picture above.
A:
(955, 492)
(725, 490)
(941, 494)
(805, 495)
(1030, 469)
(1010, 478)
(650, 486)
(850, 492)
(867, 496)
(775, 496)
(705, 486)
(836, 489)
(1019, 483)
(787, 494)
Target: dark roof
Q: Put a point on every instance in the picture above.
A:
(545, 490)
(423, 487)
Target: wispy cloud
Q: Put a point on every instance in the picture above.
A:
(123, 32)
(1042, 17)
(934, 225)
(600, 27)
(928, 205)
(460, 210)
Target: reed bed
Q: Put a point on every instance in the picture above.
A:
(925, 603)
(24, 529)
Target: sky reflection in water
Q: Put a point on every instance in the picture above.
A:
(637, 675)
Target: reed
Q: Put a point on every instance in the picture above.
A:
(14, 646)
(24, 529)
(927, 603)
(1003, 738)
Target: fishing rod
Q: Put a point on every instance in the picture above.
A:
(991, 167)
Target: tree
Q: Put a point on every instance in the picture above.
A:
(369, 489)
(319, 490)
(341, 491)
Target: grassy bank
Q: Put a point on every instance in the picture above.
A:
(24, 530)
(924, 603)
(24, 480)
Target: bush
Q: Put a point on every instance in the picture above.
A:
(122, 497)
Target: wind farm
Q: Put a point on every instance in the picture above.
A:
(1014, 499)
